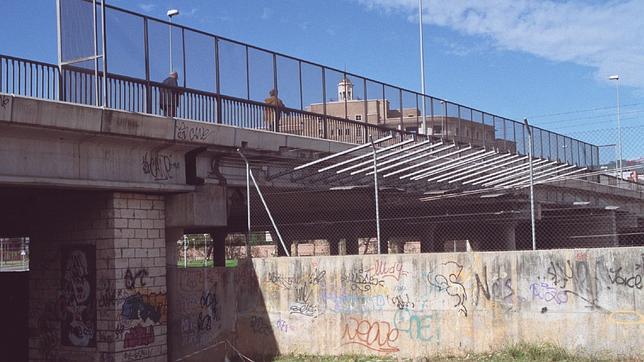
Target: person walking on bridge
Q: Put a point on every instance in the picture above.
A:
(169, 93)
(273, 111)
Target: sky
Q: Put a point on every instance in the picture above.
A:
(546, 60)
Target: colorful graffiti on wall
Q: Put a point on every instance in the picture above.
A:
(78, 287)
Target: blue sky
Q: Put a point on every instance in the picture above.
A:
(547, 60)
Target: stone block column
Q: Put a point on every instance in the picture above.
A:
(98, 288)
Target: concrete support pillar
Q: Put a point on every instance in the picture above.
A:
(352, 247)
(384, 243)
(172, 235)
(219, 247)
(508, 232)
(294, 248)
(427, 239)
(334, 246)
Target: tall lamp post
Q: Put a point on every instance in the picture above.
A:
(171, 13)
(619, 128)
(422, 64)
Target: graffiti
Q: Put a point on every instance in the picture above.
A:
(139, 354)
(192, 133)
(159, 166)
(548, 293)
(4, 101)
(357, 303)
(632, 281)
(282, 326)
(383, 270)
(402, 302)
(305, 309)
(78, 288)
(627, 317)
(135, 308)
(210, 310)
(287, 282)
(451, 284)
(377, 335)
(130, 278)
(415, 326)
(363, 280)
(260, 326)
(501, 290)
(573, 279)
(138, 336)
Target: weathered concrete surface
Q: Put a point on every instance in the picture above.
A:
(586, 300)
(55, 143)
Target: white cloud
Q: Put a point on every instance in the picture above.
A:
(147, 7)
(607, 36)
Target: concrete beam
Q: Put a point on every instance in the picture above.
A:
(206, 207)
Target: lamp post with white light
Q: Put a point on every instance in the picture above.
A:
(171, 13)
(619, 128)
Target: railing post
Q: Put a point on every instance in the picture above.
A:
(148, 88)
(217, 83)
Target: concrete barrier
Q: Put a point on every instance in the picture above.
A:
(587, 301)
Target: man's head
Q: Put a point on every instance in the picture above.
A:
(174, 75)
(273, 93)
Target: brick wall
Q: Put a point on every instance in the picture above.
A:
(98, 280)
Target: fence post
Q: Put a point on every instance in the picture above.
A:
(532, 216)
(375, 188)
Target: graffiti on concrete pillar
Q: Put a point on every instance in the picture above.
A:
(159, 165)
(78, 322)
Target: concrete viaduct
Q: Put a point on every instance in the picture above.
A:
(78, 179)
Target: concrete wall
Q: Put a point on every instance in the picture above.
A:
(586, 300)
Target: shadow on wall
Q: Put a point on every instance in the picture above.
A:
(14, 306)
(206, 324)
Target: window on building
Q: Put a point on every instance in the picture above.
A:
(358, 132)
(347, 132)
(358, 117)
(437, 129)
(411, 129)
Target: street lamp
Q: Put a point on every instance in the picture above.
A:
(619, 126)
(171, 13)
(422, 64)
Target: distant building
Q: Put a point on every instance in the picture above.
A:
(379, 112)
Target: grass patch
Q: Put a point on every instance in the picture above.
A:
(199, 263)
(518, 352)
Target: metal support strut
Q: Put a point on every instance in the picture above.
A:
(249, 174)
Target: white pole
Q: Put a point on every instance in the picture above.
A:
(375, 188)
(532, 216)
(185, 251)
(619, 135)
(422, 64)
(170, 33)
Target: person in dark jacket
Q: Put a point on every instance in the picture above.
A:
(169, 93)
(274, 110)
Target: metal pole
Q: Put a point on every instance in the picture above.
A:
(247, 210)
(422, 62)
(104, 46)
(261, 197)
(619, 135)
(1, 252)
(205, 249)
(170, 42)
(95, 53)
(375, 188)
(532, 216)
(185, 251)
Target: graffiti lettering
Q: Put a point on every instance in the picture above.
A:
(377, 336)
(282, 325)
(363, 280)
(416, 326)
(192, 133)
(136, 355)
(382, 270)
(130, 279)
(138, 336)
(451, 284)
(548, 293)
(402, 302)
(159, 166)
(632, 281)
(135, 308)
(4, 101)
(357, 303)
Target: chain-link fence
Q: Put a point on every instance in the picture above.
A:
(14, 254)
